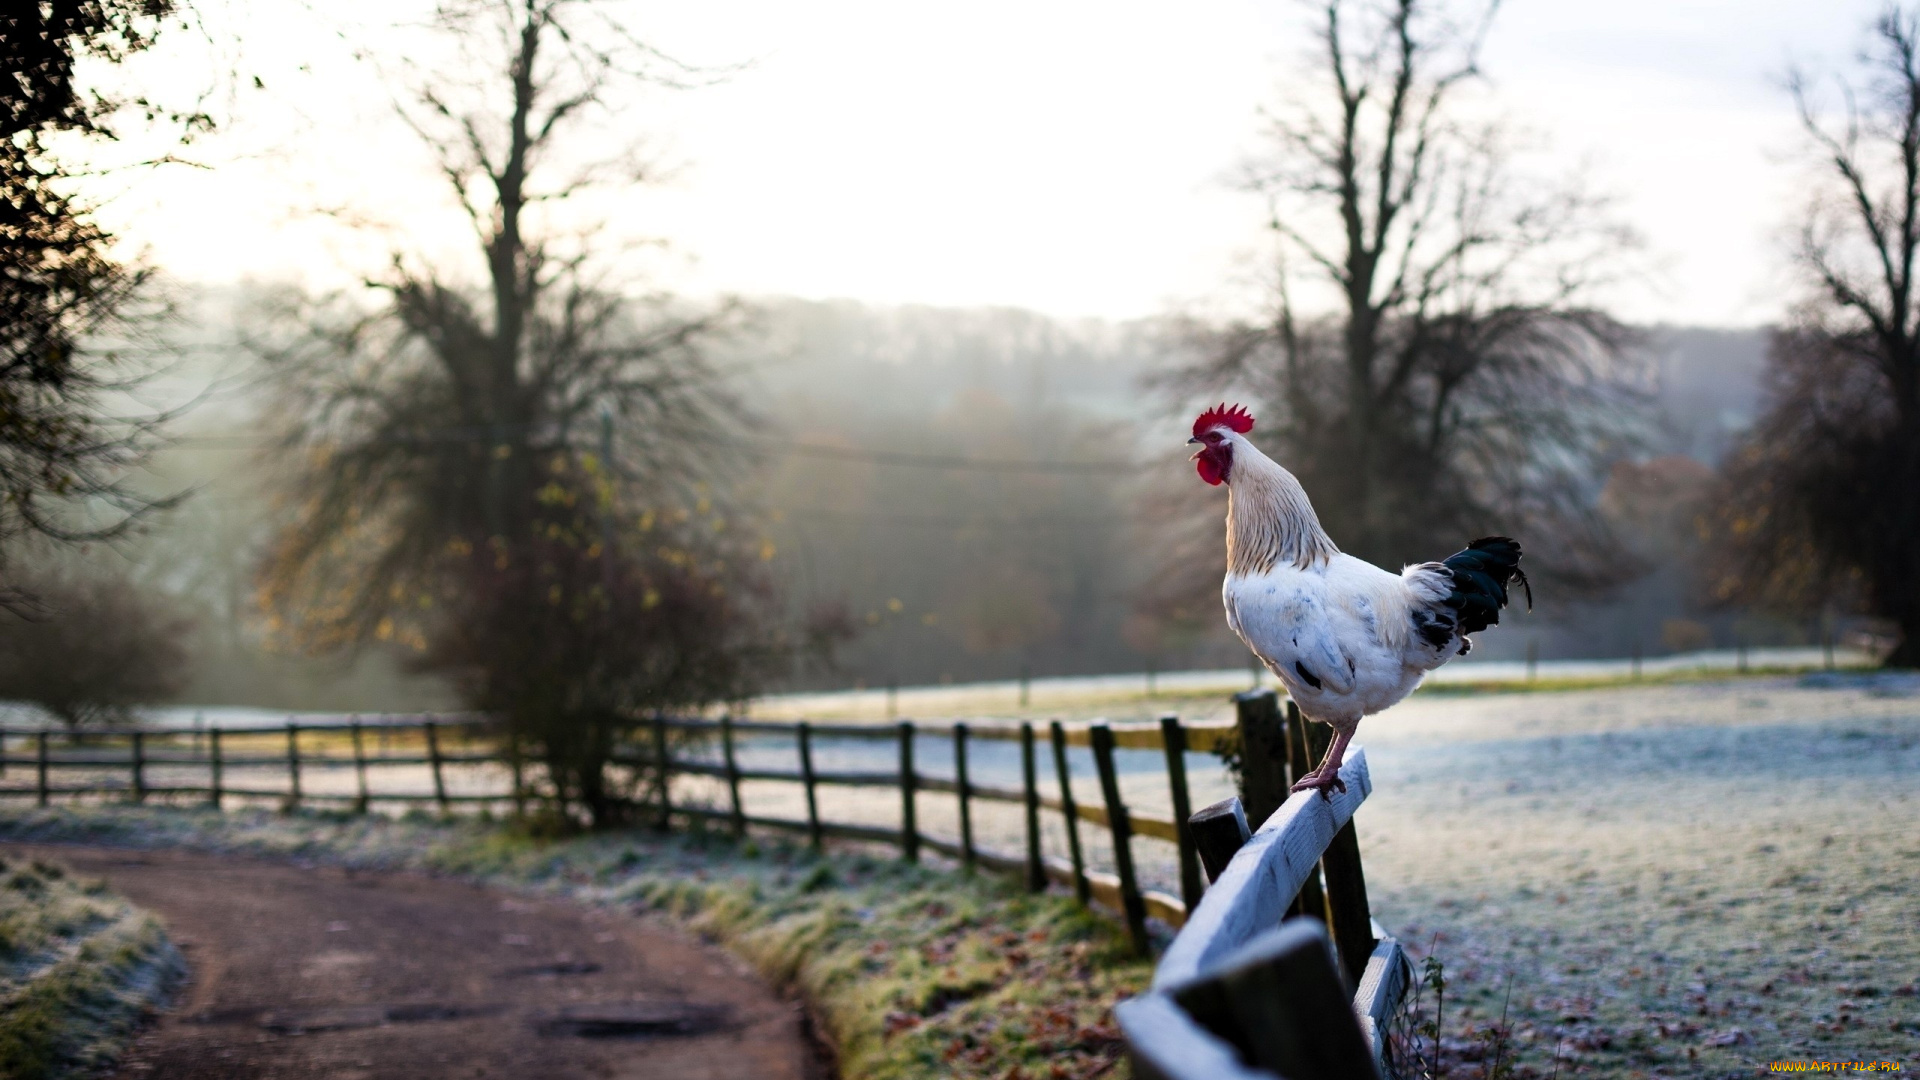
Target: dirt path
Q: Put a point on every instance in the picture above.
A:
(303, 972)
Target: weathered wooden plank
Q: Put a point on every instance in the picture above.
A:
(1030, 797)
(1281, 1001)
(293, 761)
(1166, 907)
(992, 860)
(961, 789)
(662, 771)
(1122, 833)
(991, 793)
(1062, 872)
(1251, 895)
(730, 768)
(874, 833)
(1058, 734)
(213, 786)
(909, 833)
(1175, 740)
(1263, 754)
(805, 735)
(1307, 744)
(1210, 738)
(1143, 824)
(1153, 826)
(1137, 736)
(1348, 915)
(516, 765)
(875, 732)
(360, 770)
(1164, 1043)
(1219, 831)
(842, 779)
(1383, 983)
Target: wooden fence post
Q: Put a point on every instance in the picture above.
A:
(359, 769)
(40, 787)
(1348, 913)
(805, 732)
(516, 761)
(1263, 754)
(961, 786)
(1279, 1001)
(1036, 870)
(663, 768)
(1173, 738)
(218, 765)
(1082, 888)
(293, 765)
(139, 764)
(433, 759)
(909, 834)
(1219, 831)
(1122, 829)
(1306, 745)
(733, 776)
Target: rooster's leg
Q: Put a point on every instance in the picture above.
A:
(1327, 776)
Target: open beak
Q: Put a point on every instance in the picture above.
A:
(1195, 441)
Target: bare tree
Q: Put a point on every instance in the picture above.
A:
(1817, 509)
(64, 297)
(1429, 363)
(524, 482)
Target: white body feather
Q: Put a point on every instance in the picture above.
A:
(1347, 624)
(1347, 638)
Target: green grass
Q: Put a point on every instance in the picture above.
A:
(908, 971)
(79, 967)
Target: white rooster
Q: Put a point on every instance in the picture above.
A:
(1346, 637)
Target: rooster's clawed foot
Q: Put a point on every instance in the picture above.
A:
(1325, 783)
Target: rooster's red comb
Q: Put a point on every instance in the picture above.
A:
(1237, 418)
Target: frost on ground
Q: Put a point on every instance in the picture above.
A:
(1678, 881)
(911, 972)
(79, 967)
(1675, 880)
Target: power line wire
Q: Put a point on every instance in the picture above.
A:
(893, 458)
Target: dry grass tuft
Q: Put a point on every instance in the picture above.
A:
(79, 968)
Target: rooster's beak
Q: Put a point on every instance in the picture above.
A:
(1195, 441)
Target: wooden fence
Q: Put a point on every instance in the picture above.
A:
(221, 765)
(1279, 971)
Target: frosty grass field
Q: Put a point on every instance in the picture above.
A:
(1688, 879)
(1691, 879)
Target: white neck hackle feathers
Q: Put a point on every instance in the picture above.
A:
(1269, 520)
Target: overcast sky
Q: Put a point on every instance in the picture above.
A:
(1071, 157)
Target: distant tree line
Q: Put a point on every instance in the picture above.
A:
(1818, 511)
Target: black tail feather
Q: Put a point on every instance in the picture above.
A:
(1481, 575)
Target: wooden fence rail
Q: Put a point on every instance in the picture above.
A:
(233, 760)
(1279, 970)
